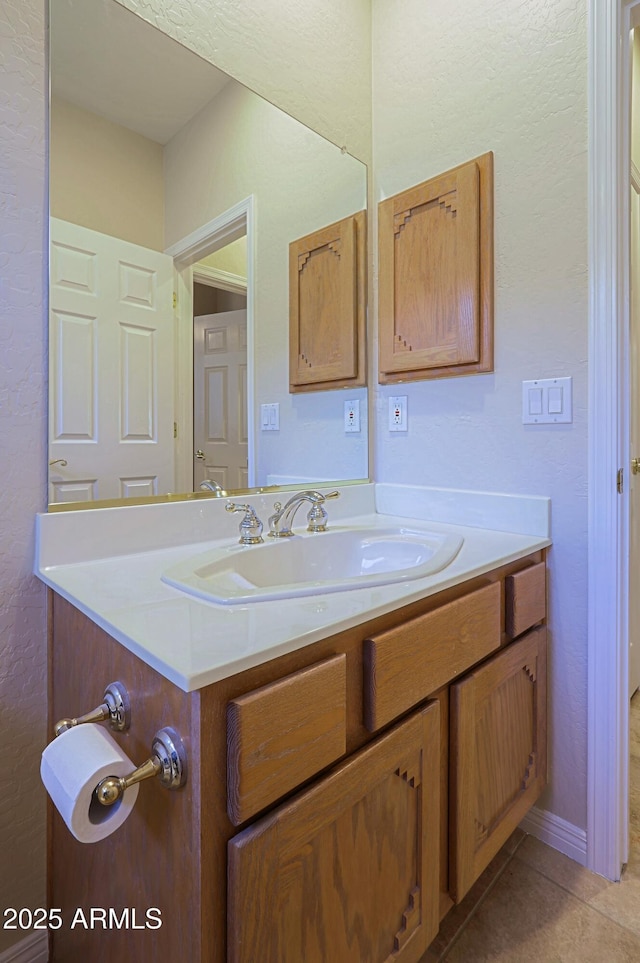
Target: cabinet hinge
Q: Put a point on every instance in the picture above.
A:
(175, 300)
(175, 429)
(620, 481)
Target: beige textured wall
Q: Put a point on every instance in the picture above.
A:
(311, 59)
(240, 145)
(105, 177)
(232, 258)
(287, 51)
(450, 82)
(23, 490)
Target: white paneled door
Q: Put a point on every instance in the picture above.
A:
(111, 343)
(220, 399)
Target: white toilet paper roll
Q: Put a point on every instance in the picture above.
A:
(71, 768)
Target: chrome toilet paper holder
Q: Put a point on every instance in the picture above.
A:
(168, 761)
(115, 707)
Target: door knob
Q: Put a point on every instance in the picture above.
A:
(635, 466)
(200, 454)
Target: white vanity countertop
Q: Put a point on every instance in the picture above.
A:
(108, 562)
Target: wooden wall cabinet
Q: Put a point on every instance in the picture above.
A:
(436, 276)
(327, 307)
(340, 798)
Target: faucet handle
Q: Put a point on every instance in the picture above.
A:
(250, 526)
(317, 519)
(317, 515)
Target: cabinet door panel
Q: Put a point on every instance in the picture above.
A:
(283, 733)
(498, 754)
(406, 663)
(436, 276)
(326, 306)
(525, 599)
(348, 870)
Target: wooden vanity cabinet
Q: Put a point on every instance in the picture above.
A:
(340, 797)
(347, 870)
(493, 760)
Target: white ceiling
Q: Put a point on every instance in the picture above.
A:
(107, 60)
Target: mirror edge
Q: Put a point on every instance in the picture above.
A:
(170, 497)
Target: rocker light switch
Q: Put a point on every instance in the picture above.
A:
(270, 417)
(547, 401)
(555, 401)
(535, 401)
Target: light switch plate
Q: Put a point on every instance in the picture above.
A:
(547, 401)
(270, 417)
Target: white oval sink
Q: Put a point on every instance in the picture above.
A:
(311, 564)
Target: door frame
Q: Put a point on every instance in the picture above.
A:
(634, 393)
(222, 230)
(608, 413)
(223, 280)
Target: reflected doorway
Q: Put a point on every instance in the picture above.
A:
(220, 421)
(218, 256)
(220, 356)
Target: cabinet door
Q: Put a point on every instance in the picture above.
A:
(409, 661)
(327, 306)
(348, 870)
(498, 756)
(436, 276)
(284, 733)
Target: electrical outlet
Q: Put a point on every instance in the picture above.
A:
(398, 413)
(352, 415)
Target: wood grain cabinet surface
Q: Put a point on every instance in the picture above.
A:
(498, 754)
(327, 301)
(425, 653)
(302, 834)
(282, 733)
(347, 871)
(525, 599)
(435, 249)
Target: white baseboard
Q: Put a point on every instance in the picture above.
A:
(32, 949)
(557, 833)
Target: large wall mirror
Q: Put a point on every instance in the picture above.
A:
(174, 195)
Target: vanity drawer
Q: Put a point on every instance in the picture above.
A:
(283, 733)
(405, 664)
(525, 599)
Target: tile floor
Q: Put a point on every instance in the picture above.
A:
(534, 904)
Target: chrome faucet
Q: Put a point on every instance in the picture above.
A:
(208, 485)
(250, 526)
(282, 519)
